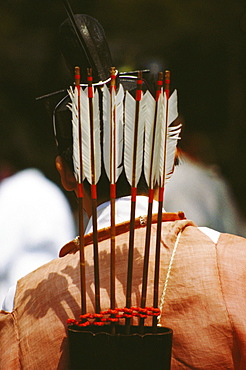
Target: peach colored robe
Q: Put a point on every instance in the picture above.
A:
(205, 302)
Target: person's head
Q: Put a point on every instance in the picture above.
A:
(94, 47)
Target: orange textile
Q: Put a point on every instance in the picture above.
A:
(9, 350)
(205, 300)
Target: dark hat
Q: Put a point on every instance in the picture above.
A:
(83, 43)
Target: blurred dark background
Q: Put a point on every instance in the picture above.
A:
(202, 42)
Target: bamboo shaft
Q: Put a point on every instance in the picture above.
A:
(112, 184)
(150, 205)
(93, 195)
(160, 207)
(80, 200)
(133, 202)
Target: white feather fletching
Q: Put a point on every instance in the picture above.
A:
(168, 146)
(86, 136)
(172, 139)
(73, 106)
(145, 126)
(117, 131)
(150, 143)
(97, 131)
(172, 107)
(130, 111)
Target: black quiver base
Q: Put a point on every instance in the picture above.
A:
(96, 348)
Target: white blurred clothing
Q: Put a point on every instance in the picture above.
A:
(35, 220)
(122, 211)
(204, 196)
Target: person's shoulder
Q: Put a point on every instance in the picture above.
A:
(232, 240)
(58, 269)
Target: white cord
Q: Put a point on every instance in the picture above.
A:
(167, 277)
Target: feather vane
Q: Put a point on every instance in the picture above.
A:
(86, 140)
(73, 106)
(149, 113)
(168, 146)
(130, 111)
(114, 112)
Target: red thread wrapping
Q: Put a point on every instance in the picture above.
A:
(161, 194)
(134, 194)
(109, 316)
(93, 191)
(80, 191)
(138, 95)
(113, 191)
(151, 195)
(90, 92)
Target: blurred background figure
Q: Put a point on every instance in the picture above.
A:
(198, 187)
(204, 195)
(35, 216)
